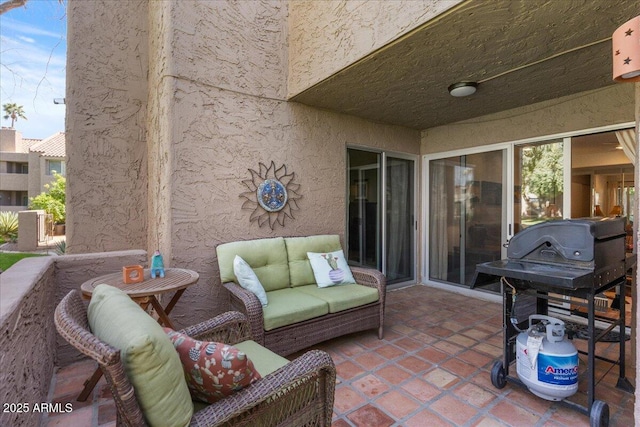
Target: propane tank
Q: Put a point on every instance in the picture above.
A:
(547, 362)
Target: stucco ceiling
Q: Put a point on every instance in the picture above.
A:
(520, 51)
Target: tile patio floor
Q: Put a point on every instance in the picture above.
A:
(431, 369)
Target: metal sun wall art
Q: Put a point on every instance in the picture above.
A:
(272, 195)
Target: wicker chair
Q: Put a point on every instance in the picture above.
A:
(300, 393)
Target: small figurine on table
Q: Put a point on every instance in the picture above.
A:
(157, 265)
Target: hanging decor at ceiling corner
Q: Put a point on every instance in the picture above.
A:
(272, 195)
(626, 51)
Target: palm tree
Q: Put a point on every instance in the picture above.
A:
(13, 111)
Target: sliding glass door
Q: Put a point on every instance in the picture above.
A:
(381, 218)
(467, 194)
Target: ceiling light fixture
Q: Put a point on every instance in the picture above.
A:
(463, 89)
(626, 51)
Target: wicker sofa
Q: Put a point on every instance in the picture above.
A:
(299, 313)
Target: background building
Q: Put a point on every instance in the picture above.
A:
(26, 165)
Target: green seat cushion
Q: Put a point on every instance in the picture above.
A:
(289, 306)
(267, 258)
(300, 270)
(264, 360)
(342, 297)
(150, 361)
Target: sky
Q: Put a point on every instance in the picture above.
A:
(33, 48)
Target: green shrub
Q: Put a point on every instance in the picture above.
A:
(53, 201)
(8, 224)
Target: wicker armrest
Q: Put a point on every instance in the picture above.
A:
(369, 277)
(307, 384)
(249, 304)
(231, 327)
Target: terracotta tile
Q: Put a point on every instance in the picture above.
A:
(462, 341)
(474, 395)
(414, 364)
(440, 332)
(426, 418)
(340, 423)
(350, 349)
(441, 378)
(477, 334)
(459, 367)
(489, 350)
(453, 409)
(370, 416)
(432, 355)
(370, 385)
(476, 359)
(370, 360)
(524, 398)
(397, 404)
(346, 399)
(389, 352)
(79, 417)
(421, 390)
(106, 414)
(488, 422)
(453, 325)
(347, 370)
(402, 329)
(425, 338)
(393, 374)
(448, 347)
(514, 415)
(409, 344)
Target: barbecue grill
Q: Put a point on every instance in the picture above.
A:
(546, 262)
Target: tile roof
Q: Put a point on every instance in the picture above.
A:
(27, 143)
(53, 146)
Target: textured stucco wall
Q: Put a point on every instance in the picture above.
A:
(71, 271)
(106, 98)
(327, 36)
(608, 106)
(26, 337)
(218, 109)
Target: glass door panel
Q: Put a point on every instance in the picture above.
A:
(363, 211)
(400, 220)
(466, 214)
(539, 183)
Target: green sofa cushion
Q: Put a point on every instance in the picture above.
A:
(267, 258)
(300, 270)
(264, 360)
(289, 306)
(342, 297)
(151, 363)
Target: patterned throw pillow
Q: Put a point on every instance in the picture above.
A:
(212, 370)
(330, 268)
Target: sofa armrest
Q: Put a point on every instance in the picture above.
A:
(370, 277)
(287, 396)
(231, 327)
(249, 304)
(374, 279)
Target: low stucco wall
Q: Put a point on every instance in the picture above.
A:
(27, 336)
(73, 270)
(30, 347)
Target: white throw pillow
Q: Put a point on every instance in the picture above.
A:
(248, 279)
(330, 268)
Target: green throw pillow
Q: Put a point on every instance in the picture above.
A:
(150, 360)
